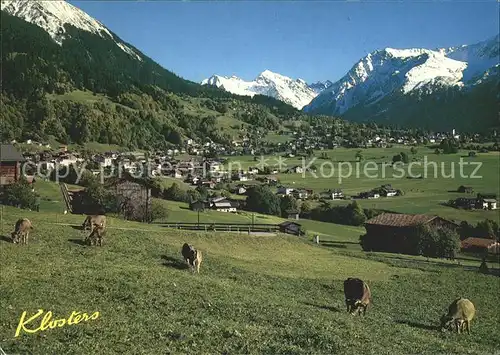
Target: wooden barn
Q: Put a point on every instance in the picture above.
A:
(393, 232)
(10, 164)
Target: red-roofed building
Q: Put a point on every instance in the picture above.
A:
(481, 245)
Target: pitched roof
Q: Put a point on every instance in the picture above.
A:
(400, 220)
(9, 153)
(477, 242)
(288, 223)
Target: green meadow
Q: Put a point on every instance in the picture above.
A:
(255, 294)
(441, 178)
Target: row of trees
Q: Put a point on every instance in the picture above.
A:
(263, 200)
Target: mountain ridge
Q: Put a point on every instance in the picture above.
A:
(410, 75)
(295, 92)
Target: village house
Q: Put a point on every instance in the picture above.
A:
(177, 174)
(282, 190)
(293, 215)
(240, 190)
(103, 161)
(10, 164)
(302, 193)
(335, 194)
(388, 191)
(291, 228)
(488, 203)
(465, 189)
(68, 159)
(369, 195)
(222, 204)
(480, 245)
(296, 170)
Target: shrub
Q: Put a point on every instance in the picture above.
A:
(158, 211)
(19, 194)
(261, 199)
(175, 193)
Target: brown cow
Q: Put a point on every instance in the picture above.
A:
(192, 257)
(97, 236)
(460, 314)
(21, 231)
(94, 220)
(198, 258)
(357, 295)
(188, 253)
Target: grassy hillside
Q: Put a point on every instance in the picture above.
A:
(421, 195)
(253, 295)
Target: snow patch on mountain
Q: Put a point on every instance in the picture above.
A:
(295, 92)
(53, 15)
(401, 71)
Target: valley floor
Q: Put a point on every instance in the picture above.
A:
(254, 294)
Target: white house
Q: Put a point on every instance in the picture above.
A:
(489, 204)
(282, 190)
(224, 206)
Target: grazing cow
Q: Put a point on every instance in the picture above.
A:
(94, 220)
(188, 253)
(97, 236)
(198, 258)
(460, 314)
(357, 295)
(21, 231)
(192, 257)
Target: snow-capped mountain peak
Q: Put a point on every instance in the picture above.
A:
(52, 16)
(391, 71)
(295, 92)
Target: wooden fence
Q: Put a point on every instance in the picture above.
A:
(66, 197)
(224, 227)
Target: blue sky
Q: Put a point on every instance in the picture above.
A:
(309, 40)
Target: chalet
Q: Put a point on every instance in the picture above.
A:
(293, 215)
(253, 170)
(335, 194)
(177, 174)
(291, 228)
(224, 205)
(481, 245)
(67, 160)
(296, 169)
(207, 183)
(241, 177)
(488, 203)
(392, 232)
(241, 190)
(465, 189)
(388, 192)
(104, 160)
(302, 193)
(369, 195)
(282, 190)
(10, 164)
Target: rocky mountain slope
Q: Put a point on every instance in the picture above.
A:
(294, 92)
(394, 85)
